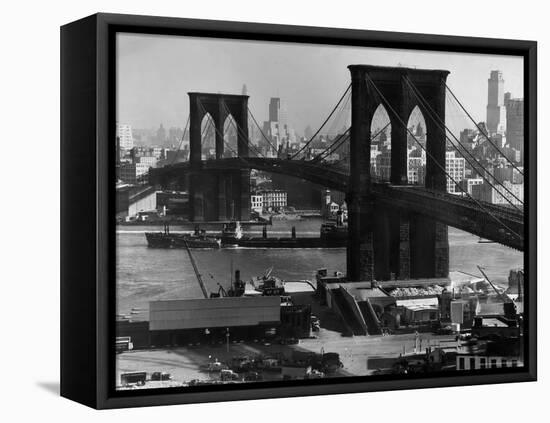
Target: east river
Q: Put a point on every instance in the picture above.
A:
(145, 274)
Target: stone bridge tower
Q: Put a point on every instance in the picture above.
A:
(385, 243)
(222, 195)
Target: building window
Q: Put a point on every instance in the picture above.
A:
(482, 363)
(514, 363)
(460, 363)
(493, 363)
(503, 363)
(472, 363)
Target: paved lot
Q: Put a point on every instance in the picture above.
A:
(184, 363)
(356, 353)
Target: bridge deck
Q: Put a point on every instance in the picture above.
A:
(497, 223)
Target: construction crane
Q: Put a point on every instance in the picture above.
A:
(196, 270)
(503, 296)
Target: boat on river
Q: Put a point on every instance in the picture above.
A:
(198, 239)
(232, 232)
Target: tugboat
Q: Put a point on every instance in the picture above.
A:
(231, 233)
(165, 239)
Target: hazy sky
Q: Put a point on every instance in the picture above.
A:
(155, 72)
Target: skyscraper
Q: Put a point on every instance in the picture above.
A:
(274, 107)
(277, 126)
(496, 110)
(514, 123)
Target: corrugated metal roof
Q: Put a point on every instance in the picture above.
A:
(419, 303)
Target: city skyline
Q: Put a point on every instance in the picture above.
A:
(156, 72)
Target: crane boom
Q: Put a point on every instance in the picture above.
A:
(502, 296)
(196, 270)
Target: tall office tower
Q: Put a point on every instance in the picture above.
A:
(277, 127)
(274, 106)
(278, 112)
(124, 134)
(514, 123)
(496, 110)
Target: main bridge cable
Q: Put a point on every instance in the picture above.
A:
(241, 132)
(324, 123)
(437, 120)
(181, 141)
(246, 162)
(373, 137)
(340, 139)
(444, 127)
(337, 119)
(436, 162)
(262, 132)
(481, 131)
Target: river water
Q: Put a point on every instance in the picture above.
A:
(145, 274)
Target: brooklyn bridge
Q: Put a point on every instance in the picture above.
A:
(395, 229)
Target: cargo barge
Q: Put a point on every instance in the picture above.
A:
(256, 242)
(331, 236)
(165, 239)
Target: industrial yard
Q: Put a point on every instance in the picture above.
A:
(188, 363)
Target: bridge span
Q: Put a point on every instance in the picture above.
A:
(395, 231)
(449, 209)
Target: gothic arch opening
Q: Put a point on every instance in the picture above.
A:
(416, 144)
(208, 137)
(380, 135)
(230, 137)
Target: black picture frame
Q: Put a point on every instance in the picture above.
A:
(87, 207)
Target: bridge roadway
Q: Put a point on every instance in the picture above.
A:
(456, 211)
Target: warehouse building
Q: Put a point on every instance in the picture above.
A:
(176, 322)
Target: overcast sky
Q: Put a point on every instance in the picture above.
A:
(155, 72)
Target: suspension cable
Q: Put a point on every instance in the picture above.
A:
(181, 141)
(262, 132)
(333, 147)
(324, 123)
(481, 131)
(339, 114)
(373, 137)
(240, 132)
(444, 127)
(434, 160)
(340, 139)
